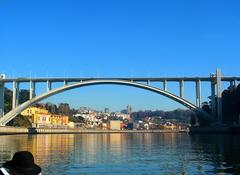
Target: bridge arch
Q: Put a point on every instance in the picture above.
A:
(13, 113)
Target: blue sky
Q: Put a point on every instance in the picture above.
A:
(130, 38)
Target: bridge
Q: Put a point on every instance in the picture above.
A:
(144, 83)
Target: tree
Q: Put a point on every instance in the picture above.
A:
(23, 96)
(206, 107)
(20, 121)
(7, 100)
(193, 120)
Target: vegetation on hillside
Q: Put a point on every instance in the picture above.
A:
(230, 108)
(19, 120)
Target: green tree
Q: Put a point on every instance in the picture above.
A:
(23, 96)
(19, 120)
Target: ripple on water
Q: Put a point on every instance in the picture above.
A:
(135, 154)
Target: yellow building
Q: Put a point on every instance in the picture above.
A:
(59, 120)
(42, 118)
(114, 124)
(33, 110)
(170, 126)
(38, 116)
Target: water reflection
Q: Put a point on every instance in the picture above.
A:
(133, 153)
(223, 151)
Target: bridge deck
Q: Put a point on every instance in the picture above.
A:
(145, 79)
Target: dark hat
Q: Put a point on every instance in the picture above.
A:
(23, 163)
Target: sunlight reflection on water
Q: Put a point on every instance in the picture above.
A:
(133, 153)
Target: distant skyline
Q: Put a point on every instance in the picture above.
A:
(126, 38)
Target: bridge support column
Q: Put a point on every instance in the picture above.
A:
(15, 97)
(219, 96)
(32, 90)
(49, 86)
(181, 84)
(1, 99)
(65, 83)
(148, 83)
(165, 85)
(213, 100)
(198, 93)
(235, 83)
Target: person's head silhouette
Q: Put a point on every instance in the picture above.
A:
(22, 163)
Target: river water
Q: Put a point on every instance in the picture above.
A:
(132, 153)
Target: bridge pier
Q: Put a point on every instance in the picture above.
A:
(165, 85)
(231, 83)
(148, 83)
(1, 99)
(15, 97)
(181, 84)
(198, 93)
(219, 96)
(32, 90)
(235, 83)
(49, 86)
(213, 100)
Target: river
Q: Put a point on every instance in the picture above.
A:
(132, 153)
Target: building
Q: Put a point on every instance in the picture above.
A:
(84, 109)
(169, 125)
(59, 120)
(104, 125)
(34, 110)
(38, 116)
(106, 110)
(129, 109)
(42, 118)
(114, 124)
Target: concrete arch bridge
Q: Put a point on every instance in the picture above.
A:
(144, 83)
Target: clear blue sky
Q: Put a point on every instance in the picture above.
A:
(129, 38)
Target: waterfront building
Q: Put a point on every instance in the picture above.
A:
(34, 110)
(59, 120)
(42, 118)
(169, 125)
(37, 116)
(104, 125)
(71, 124)
(114, 124)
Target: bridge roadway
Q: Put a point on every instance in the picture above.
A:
(139, 79)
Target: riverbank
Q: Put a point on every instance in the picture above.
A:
(5, 130)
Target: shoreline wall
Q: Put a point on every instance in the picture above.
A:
(14, 130)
